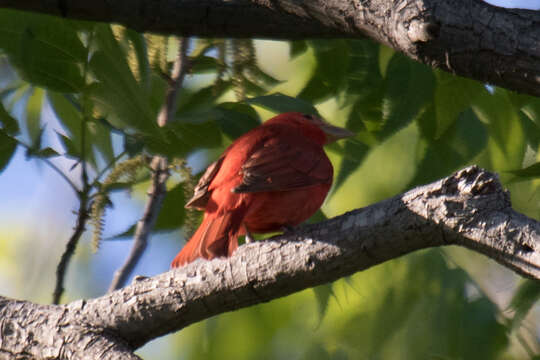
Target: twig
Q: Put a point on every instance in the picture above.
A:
(159, 176)
(70, 249)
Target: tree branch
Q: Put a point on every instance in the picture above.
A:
(160, 174)
(469, 208)
(466, 37)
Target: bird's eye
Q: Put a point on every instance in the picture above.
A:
(307, 116)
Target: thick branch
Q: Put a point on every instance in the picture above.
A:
(469, 208)
(466, 37)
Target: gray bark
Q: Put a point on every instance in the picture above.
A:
(469, 208)
(466, 37)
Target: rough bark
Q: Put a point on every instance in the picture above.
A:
(466, 37)
(469, 208)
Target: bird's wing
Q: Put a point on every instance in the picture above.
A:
(283, 166)
(201, 193)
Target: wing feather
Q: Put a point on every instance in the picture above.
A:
(283, 166)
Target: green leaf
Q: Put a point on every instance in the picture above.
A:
(204, 64)
(363, 75)
(531, 131)
(332, 62)
(409, 88)
(45, 153)
(172, 213)
(282, 103)
(33, 114)
(507, 142)
(139, 45)
(453, 94)
(526, 296)
(178, 138)
(461, 142)
(67, 110)
(99, 137)
(297, 47)
(170, 217)
(46, 50)
(385, 54)
(8, 145)
(133, 145)
(529, 172)
(323, 293)
(236, 119)
(71, 149)
(261, 77)
(355, 153)
(117, 93)
(201, 99)
(9, 124)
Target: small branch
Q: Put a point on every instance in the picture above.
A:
(159, 176)
(469, 208)
(70, 249)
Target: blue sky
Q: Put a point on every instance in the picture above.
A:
(525, 4)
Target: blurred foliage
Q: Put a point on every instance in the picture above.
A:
(413, 125)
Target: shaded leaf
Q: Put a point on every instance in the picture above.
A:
(170, 217)
(180, 137)
(282, 103)
(297, 47)
(8, 145)
(323, 293)
(201, 99)
(118, 94)
(409, 87)
(204, 64)
(461, 142)
(9, 124)
(526, 296)
(507, 141)
(453, 94)
(363, 74)
(45, 153)
(70, 148)
(236, 119)
(532, 171)
(355, 153)
(46, 50)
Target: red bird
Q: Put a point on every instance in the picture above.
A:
(272, 177)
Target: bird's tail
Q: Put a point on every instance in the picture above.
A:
(215, 237)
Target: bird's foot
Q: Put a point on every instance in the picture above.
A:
(287, 229)
(249, 238)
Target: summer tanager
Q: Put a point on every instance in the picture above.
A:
(272, 177)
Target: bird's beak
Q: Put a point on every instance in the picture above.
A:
(334, 133)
